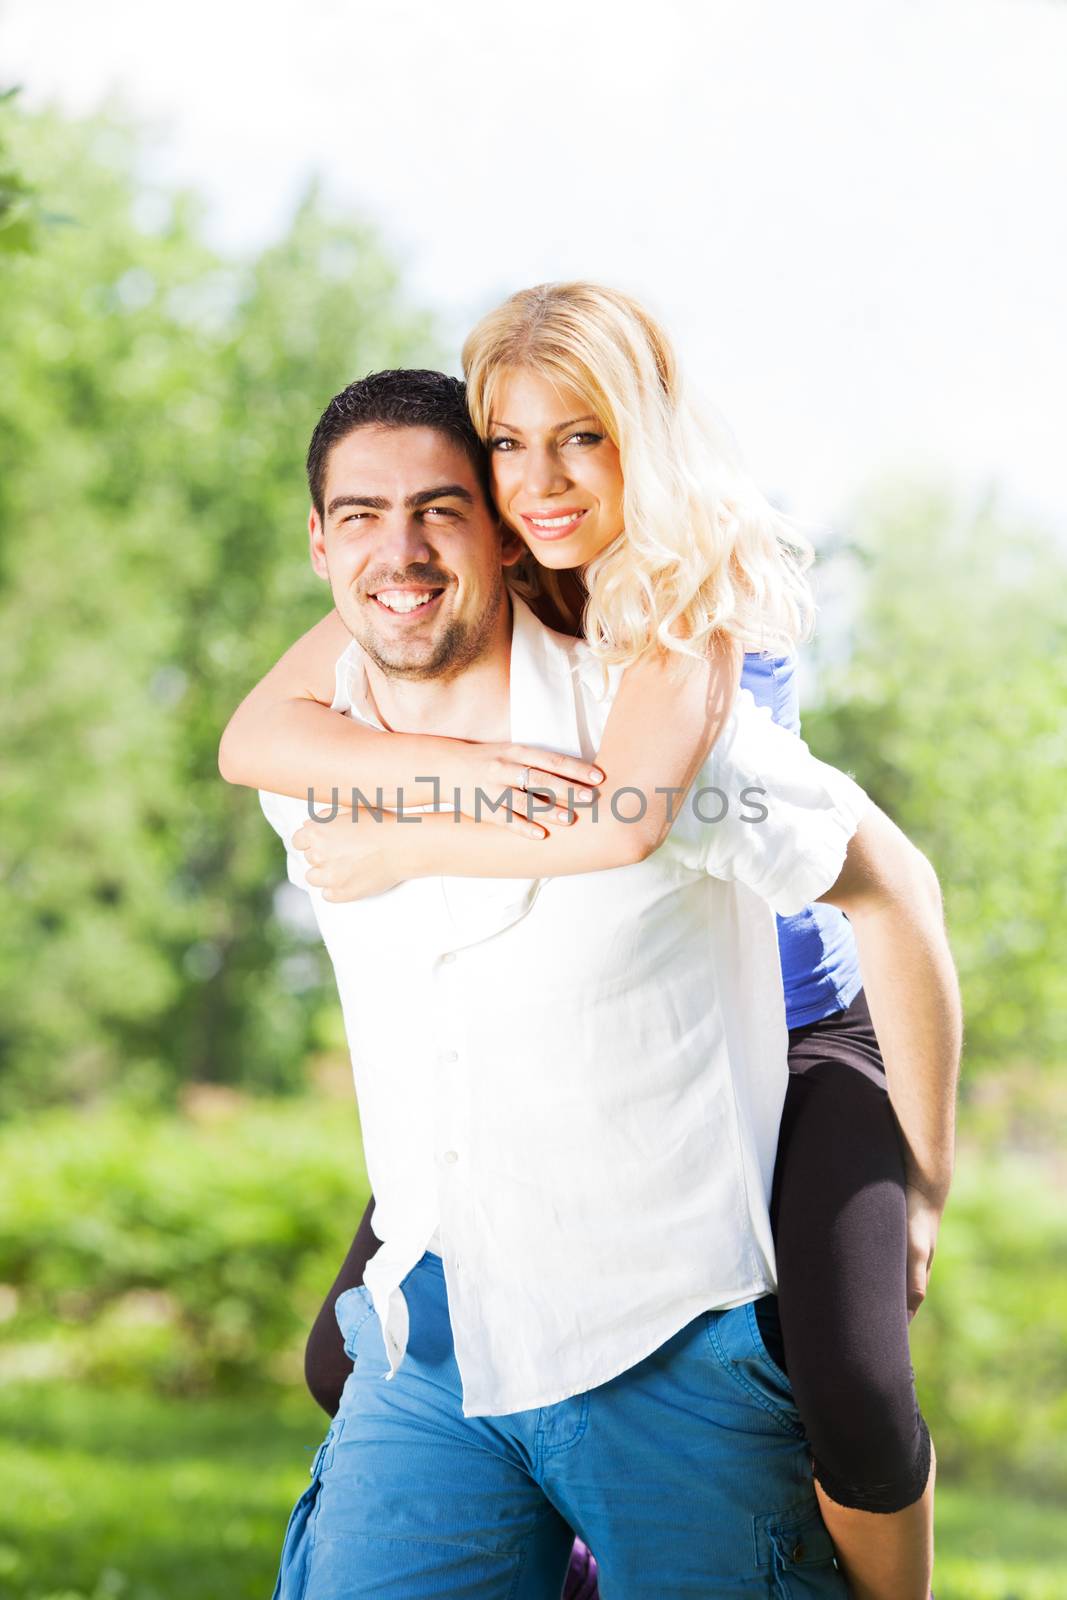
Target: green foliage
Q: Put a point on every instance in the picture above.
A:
(155, 402)
(129, 1496)
(948, 705)
(19, 203)
(143, 1249)
(988, 1343)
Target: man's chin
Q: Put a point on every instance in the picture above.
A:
(412, 658)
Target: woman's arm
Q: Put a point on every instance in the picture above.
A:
(284, 737)
(667, 715)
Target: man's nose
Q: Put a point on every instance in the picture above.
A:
(544, 473)
(404, 542)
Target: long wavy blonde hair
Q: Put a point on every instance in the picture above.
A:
(703, 554)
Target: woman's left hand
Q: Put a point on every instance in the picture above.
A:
(354, 855)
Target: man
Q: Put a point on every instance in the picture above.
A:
(569, 1093)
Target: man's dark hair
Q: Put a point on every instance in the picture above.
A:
(412, 397)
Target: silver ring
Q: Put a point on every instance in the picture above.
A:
(526, 778)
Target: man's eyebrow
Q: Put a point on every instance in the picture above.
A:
(368, 502)
(443, 491)
(556, 426)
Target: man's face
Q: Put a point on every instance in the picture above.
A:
(413, 553)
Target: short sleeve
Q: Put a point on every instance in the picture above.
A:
(788, 817)
(287, 816)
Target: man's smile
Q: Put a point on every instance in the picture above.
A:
(408, 602)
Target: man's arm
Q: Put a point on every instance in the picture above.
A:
(824, 839)
(890, 893)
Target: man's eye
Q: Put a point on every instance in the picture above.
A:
(503, 444)
(439, 511)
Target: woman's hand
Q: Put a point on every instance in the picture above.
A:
(356, 853)
(514, 784)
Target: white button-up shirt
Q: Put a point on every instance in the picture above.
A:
(576, 1083)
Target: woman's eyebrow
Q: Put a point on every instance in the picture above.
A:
(556, 426)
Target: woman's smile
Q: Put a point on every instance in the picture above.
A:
(552, 524)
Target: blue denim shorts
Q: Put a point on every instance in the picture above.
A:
(688, 1475)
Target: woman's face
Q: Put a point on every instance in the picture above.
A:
(557, 478)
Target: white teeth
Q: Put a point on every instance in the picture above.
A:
(555, 522)
(404, 599)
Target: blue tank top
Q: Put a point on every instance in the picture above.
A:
(820, 964)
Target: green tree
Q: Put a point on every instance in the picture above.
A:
(949, 703)
(155, 401)
(19, 203)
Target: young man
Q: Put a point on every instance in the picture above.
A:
(569, 1092)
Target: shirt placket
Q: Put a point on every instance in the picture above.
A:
(452, 1144)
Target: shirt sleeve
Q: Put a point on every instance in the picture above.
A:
(788, 817)
(287, 816)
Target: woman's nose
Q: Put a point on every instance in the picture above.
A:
(544, 474)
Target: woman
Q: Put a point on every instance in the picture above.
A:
(641, 523)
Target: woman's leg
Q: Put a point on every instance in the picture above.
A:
(326, 1367)
(840, 1222)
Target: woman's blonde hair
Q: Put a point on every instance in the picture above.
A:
(703, 553)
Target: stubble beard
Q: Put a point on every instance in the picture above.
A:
(459, 645)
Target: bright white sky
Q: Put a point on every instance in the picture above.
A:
(850, 213)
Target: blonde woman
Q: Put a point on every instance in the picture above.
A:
(643, 531)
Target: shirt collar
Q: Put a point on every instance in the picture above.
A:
(543, 684)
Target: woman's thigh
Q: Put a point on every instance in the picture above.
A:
(839, 1212)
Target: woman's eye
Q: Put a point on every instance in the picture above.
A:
(585, 438)
(503, 444)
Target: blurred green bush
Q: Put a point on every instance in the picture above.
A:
(988, 1345)
(184, 1255)
(190, 1255)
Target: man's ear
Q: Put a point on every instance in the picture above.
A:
(512, 548)
(317, 545)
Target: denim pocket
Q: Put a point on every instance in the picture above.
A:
(736, 1340)
(324, 1454)
(802, 1557)
(353, 1309)
(763, 1349)
(295, 1565)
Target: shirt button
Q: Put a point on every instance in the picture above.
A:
(451, 1156)
(449, 955)
(449, 1055)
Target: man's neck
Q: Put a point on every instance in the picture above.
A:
(472, 704)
